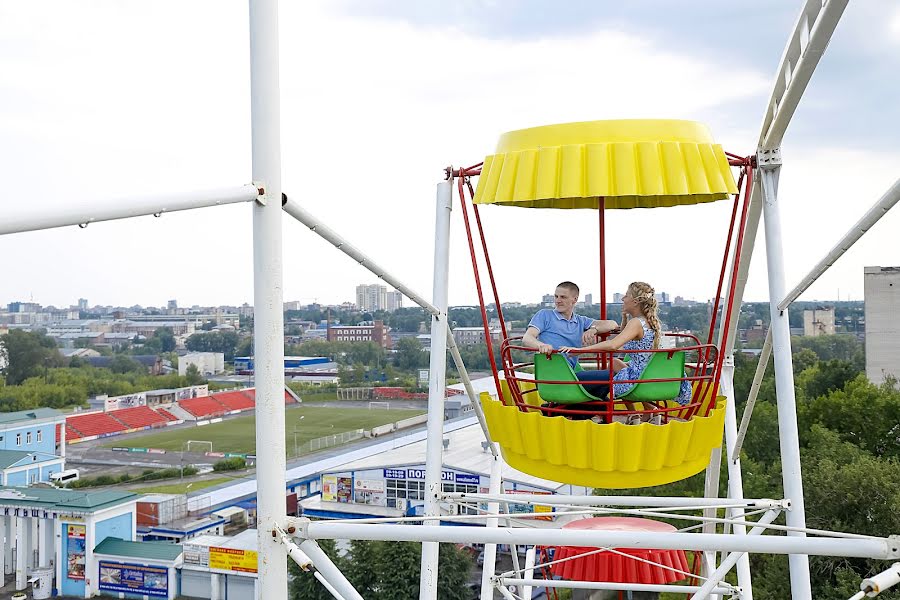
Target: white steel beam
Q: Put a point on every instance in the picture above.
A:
(789, 438)
(675, 502)
(322, 230)
(490, 550)
(859, 229)
(437, 386)
(735, 476)
(879, 548)
(805, 47)
(126, 208)
(268, 315)
(335, 581)
(868, 220)
(729, 561)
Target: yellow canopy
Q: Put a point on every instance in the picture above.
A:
(639, 163)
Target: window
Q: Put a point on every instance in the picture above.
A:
(40, 435)
(402, 488)
(18, 439)
(27, 437)
(33, 477)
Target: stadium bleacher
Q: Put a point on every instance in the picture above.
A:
(236, 400)
(93, 424)
(203, 407)
(139, 416)
(167, 414)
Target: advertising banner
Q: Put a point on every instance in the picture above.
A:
(126, 401)
(134, 579)
(537, 508)
(75, 562)
(232, 559)
(329, 488)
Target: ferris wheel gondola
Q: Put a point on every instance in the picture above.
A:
(546, 423)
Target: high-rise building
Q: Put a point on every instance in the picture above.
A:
(588, 299)
(394, 301)
(370, 298)
(82, 304)
(881, 286)
(548, 301)
(172, 304)
(617, 298)
(662, 298)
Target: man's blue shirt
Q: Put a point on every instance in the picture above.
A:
(558, 331)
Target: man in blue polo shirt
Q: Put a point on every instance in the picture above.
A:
(551, 329)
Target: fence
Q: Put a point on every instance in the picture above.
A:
(329, 441)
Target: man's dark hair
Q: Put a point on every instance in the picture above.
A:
(569, 286)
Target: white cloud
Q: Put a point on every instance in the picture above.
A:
(119, 98)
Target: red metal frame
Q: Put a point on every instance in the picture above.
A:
(708, 367)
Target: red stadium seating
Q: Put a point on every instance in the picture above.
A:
(203, 407)
(72, 434)
(94, 424)
(139, 416)
(236, 400)
(288, 399)
(167, 414)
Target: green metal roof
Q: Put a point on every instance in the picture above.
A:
(10, 457)
(28, 415)
(63, 500)
(150, 550)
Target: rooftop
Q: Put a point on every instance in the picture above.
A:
(10, 457)
(28, 415)
(63, 500)
(151, 550)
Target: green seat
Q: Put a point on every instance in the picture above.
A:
(556, 368)
(662, 365)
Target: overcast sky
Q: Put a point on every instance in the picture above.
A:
(113, 99)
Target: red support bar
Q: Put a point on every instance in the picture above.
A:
(734, 270)
(475, 270)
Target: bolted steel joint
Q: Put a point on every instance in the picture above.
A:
(768, 159)
(261, 188)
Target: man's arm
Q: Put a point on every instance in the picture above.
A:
(596, 328)
(530, 340)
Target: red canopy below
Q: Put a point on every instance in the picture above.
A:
(613, 567)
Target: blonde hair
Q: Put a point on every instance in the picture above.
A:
(643, 294)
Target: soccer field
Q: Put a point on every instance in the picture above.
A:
(239, 434)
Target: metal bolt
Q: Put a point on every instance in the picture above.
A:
(292, 529)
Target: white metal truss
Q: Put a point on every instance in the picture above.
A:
(277, 532)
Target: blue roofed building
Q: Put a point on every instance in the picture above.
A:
(30, 447)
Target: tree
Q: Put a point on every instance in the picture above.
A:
(123, 364)
(409, 354)
(26, 354)
(215, 341)
(361, 566)
(193, 375)
(390, 570)
(166, 338)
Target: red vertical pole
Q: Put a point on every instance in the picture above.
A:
(602, 212)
